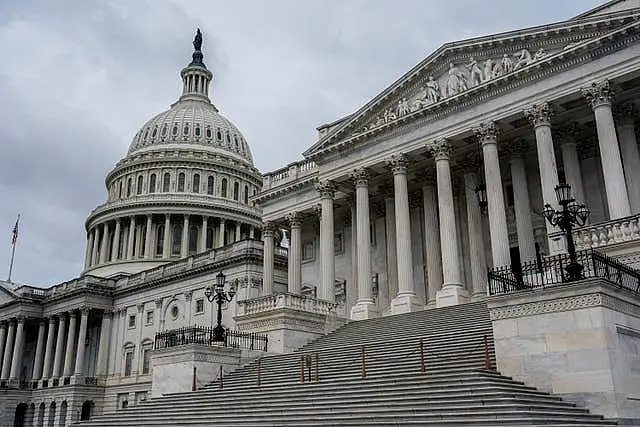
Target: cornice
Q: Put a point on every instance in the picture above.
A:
(299, 184)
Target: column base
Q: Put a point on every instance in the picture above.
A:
(406, 303)
(451, 295)
(364, 310)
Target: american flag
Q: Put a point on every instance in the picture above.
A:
(14, 239)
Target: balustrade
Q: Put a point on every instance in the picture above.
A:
(603, 234)
(286, 300)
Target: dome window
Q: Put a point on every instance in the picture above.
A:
(164, 130)
(139, 185)
(219, 135)
(129, 187)
(181, 181)
(208, 132)
(154, 132)
(152, 183)
(196, 183)
(146, 134)
(209, 238)
(228, 138)
(236, 191)
(246, 194)
(185, 130)
(223, 189)
(174, 131)
(197, 131)
(210, 185)
(166, 182)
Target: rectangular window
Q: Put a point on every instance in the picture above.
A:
(146, 360)
(307, 251)
(132, 321)
(199, 306)
(128, 361)
(149, 317)
(338, 243)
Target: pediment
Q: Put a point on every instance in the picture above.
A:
(6, 295)
(460, 70)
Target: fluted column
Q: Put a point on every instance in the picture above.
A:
(571, 160)
(116, 241)
(522, 207)
(71, 343)
(487, 135)
(268, 234)
(203, 235)
(3, 336)
(82, 335)
(327, 251)
(104, 248)
(89, 251)
(433, 257)
(184, 251)
(625, 115)
(8, 351)
(96, 243)
(352, 289)
(18, 350)
(48, 352)
(221, 235)
(238, 231)
(147, 238)
(365, 307)
(132, 230)
(57, 361)
(599, 95)
(477, 256)
(391, 247)
(37, 363)
(105, 340)
(166, 244)
(295, 253)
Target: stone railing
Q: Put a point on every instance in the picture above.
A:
(81, 283)
(289, 173)
(285, 300)
(608, 233)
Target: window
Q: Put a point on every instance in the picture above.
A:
(154, 133)
(236, 191)
(307, 251)
(164, 130)
(185, 130)
(228, 138)
(197, 131)
(160, 239)
(223, 189)
(132, 321)
(210, 185)
(176, 247)
(129, 187)
(174, 312)
(193, 240)
(199, 306)
(219, 135)
(149, 319)
(246, 194)
(128, 361)
(146, 133)
(209, 238)
(208, 132)
(139, 185)
(152, 183)
(196, 183)
(166, 182)
(181, 181)
(120, 189)
(146, 361)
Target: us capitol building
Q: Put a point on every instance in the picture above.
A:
(402, 206)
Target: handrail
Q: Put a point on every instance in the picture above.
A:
(205, 335)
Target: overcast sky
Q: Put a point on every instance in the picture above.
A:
(78, 78)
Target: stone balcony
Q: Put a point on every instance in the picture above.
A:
(289, 174)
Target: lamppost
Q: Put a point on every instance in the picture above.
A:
(481, 193)
(571, 215)
(217, 294)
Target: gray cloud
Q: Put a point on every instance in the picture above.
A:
(79, 78)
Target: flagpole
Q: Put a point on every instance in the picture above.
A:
(13, 247)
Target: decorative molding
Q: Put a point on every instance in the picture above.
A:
(327, 189)
(440, 149)
(539, 114)
(294, 219)
(398, 163)
(599, 93)
(361, 177)
(487, 132)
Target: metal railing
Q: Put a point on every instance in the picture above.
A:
(552, 270)
(205, 335)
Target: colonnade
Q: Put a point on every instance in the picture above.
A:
(444, 269)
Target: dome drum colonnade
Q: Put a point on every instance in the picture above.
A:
(444, 267)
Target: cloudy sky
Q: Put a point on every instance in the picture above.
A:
(79, 77)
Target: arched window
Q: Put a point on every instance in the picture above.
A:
(159, 240)
(246, 194)
(87, 409)
(196, 183)
(208, 132)
(154, 132)
(228, 138)
(164, 130)
(197, 130)
(129, 187)
(166, 182)
(209, 238)
(152, 183)
(174, 131)
(185, 130)
(181, 181)
(139, 185)
(236, 191)
(219, 135)
(176, 239)
(210, 185)
(223, 188)
(193, 240)
(120, 189)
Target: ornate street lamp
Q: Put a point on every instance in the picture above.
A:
(571, 215)
(481, 193)
(217, 294)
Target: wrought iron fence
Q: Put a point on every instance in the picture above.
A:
(552, 270)
(205, 335)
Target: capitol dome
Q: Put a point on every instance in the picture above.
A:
(183, 187)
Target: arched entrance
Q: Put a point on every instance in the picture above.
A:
(21, 413)
(63, 414)
(87, 408)
(52, 414)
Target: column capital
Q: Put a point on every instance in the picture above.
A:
(599, 93)
(108, 311)
(268, 229)
(624, 113)
(361, 177)
(20, 319)
(568, 134)
(539, 114)
(84, 310)
(398, 163)
(118, 220)
(327, 189)
(294, 220)
(487, 132)
(440, 149)
(186, 216)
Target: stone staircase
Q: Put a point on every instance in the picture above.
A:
(451, 387)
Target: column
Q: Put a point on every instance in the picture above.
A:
(71, 342)
(477, 256)
(354, 255)
(184, 251)
(433, 257)
(132, 230)
(203, 234)
(600, 95)
(295, 253)
(487, 135)
(96, 242)
(522, 207)
(166, 244)
(57, 361)
(147, 238)
(3, 336)
(104, 248)
(390, 234)
(452, 291)
(327, 250)
(238, 231)
(630, 155)
(18, 349)
(103, 346)
(268, 234)
(37, 364)
(89, 251)
(364, 308)
(8, 351)
(113, 353)
(571, 160)
(82, 335)
(221, 235)
(406, 300)
(116, 241)
(48, 352)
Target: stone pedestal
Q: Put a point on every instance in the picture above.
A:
(451, 295)
(364, 310)
(406, 303)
